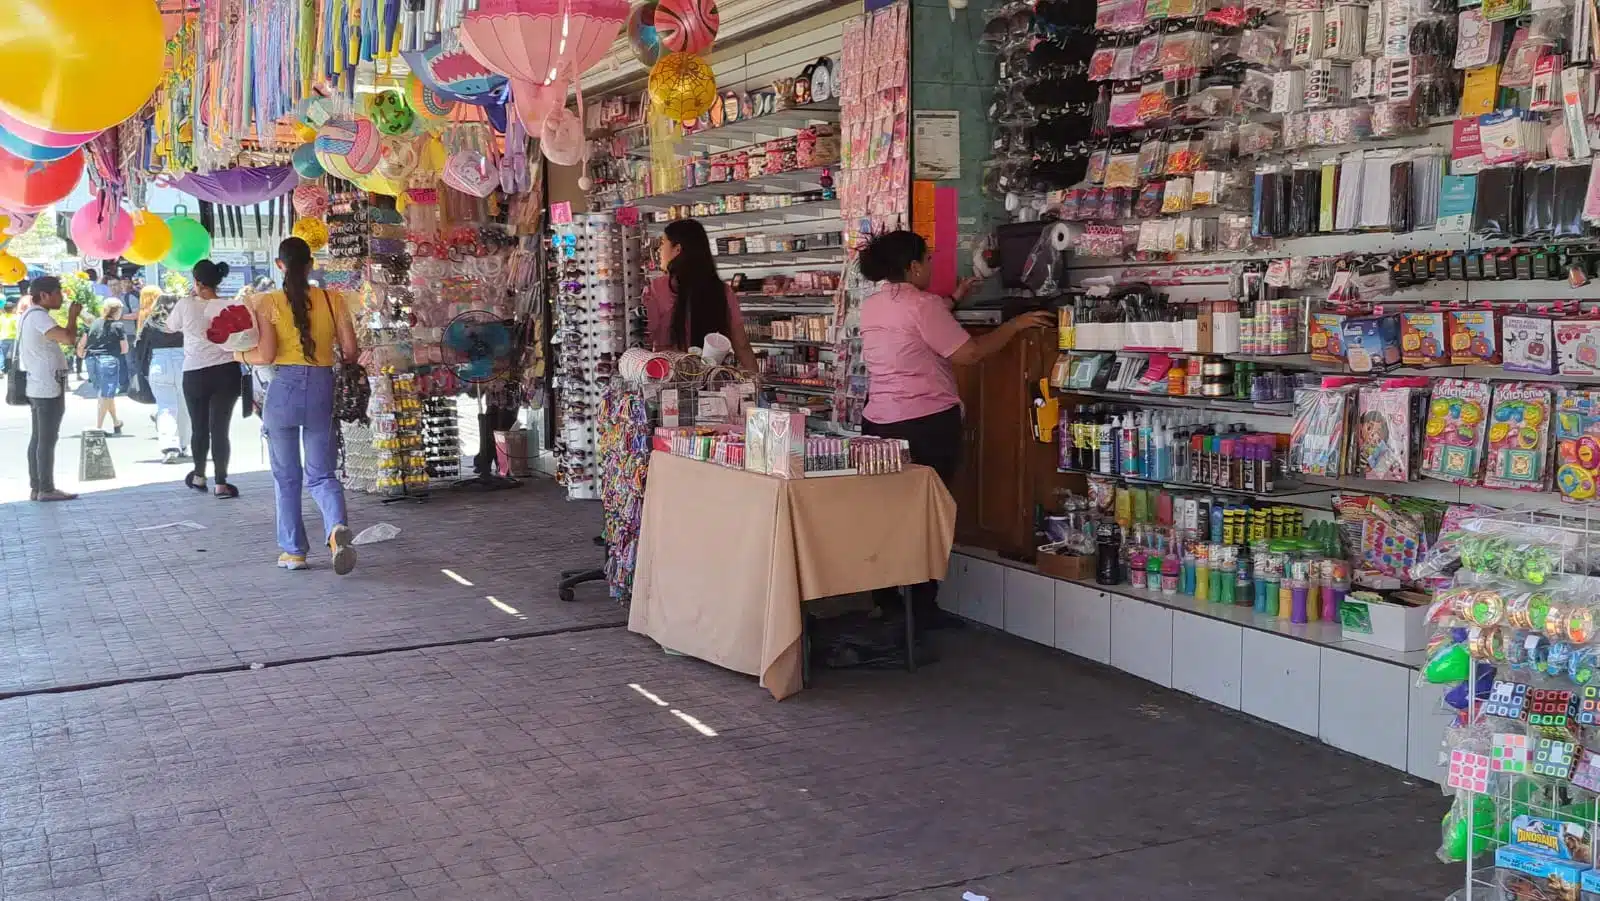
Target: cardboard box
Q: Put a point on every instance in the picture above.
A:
(1062, 566)
(1397, 627)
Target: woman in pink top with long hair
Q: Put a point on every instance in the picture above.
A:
(911, 343)
(691, 300)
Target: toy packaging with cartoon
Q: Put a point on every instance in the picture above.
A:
(1454, 434)
(1577, 425)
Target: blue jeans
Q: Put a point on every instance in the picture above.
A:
(5, 352)
(172, 413)
(299, 412)
(105, 371)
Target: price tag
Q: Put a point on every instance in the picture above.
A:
(628, 216)
(561, 213)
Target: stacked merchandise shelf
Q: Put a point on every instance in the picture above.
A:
(874, 178)
(395, 411)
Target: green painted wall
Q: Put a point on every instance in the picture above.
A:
(948, 71)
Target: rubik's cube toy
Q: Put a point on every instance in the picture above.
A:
(1589, 705)
(1511, 753)
(1550, 708)
(1507, 699)
(1469, 771)
(1554, 758)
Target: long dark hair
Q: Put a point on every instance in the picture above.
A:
(295, 254)
(888, 257)
(702, 298)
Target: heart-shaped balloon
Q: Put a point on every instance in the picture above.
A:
(469, 172)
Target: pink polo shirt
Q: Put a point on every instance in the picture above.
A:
(658, 303)
(907, 337)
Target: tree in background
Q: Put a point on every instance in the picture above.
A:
(175, 283)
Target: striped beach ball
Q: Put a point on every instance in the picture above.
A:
(687, 26)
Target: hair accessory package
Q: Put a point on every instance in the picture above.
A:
(1528, 344)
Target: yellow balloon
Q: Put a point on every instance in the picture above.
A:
(304, 132)
(12, 270)
(152, 240)
(433, 156)
(682, 86)
(79, 65)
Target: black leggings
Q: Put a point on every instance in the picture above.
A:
(47, 413)
(935, 442)
(210, 394)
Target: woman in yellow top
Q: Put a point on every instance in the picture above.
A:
(300, 326)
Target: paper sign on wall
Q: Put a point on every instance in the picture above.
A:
(936, 143)
(561, 213)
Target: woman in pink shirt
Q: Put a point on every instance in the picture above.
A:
(911, 343)
(691, 300)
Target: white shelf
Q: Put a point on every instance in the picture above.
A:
(780, 183)
(1183, 400)
(778, 220)
(782, 257)
(745, 132)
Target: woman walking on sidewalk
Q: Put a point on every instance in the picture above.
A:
(210, 378)
(300, 326)
(105, 349)
(164, 372)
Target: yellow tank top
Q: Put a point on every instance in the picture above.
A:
(324, 306)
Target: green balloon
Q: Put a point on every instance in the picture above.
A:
(191, 243)
(1446, 667)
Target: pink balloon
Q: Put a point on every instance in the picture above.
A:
(523, 39)
(101, 231)
(41, 137)
(561, 139)
(535, 102)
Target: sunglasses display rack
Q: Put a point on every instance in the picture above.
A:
(592, 296)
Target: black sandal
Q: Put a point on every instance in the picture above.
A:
(226, 490)
(199, 486)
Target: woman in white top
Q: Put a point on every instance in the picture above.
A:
(211, 378)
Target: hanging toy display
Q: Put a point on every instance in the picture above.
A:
(682, 86)
(191, 243)
(306, 162)
(561, 140)
(101, 229)
(428, 104)
(687, 26)
(12, 270)
(78, 91)
(27, 186)
(390, 112)
(643, 37)
(152, 240)
(312, 231)
(311, 200)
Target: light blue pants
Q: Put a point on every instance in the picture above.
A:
(172, 413)
(299, 412)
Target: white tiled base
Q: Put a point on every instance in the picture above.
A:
(1361, 703)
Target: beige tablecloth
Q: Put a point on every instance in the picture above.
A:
(726, 556)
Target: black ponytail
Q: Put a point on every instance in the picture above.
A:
(888, 257)
(702, 298)
(295, 254)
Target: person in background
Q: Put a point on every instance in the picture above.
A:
(165, 373)
(39, 343)
(300, 327)
(911, 342)
(210, 378)
(105, 348)
(8, 332)
(691, 300)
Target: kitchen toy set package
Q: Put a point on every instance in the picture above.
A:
(1519, 438)
(1452, 448)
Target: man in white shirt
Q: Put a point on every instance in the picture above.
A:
(39, 342)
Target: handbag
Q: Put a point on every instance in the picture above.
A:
(139, 380)
(16, 380)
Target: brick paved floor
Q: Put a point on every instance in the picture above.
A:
(89, 598)
(531, 769)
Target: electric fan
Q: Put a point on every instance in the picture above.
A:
(480, 345)
(482, 348)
